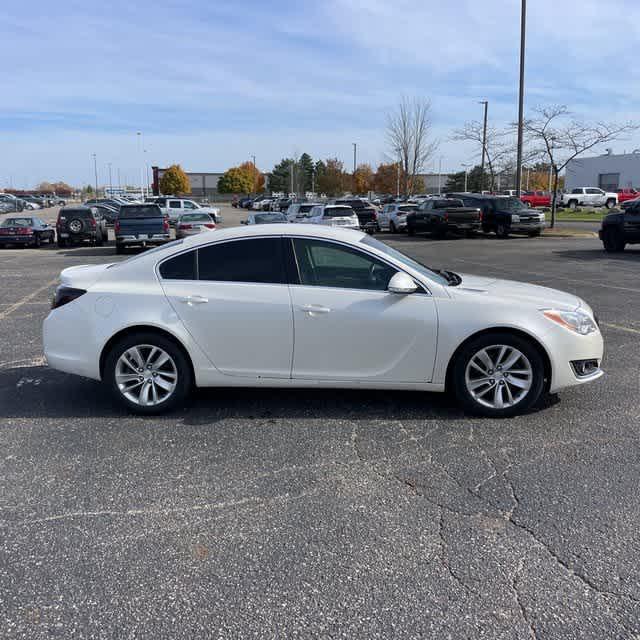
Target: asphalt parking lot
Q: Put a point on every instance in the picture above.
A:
(329, 514)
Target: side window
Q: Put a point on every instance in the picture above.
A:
(579, 191)
(189, 205)
(253, 260)
(182, 267)
(161, 202)
(174, 204)
(326, 264)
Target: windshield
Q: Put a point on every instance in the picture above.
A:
(196, 217)
(17, 222)
(338, 212)
(408, 207)
(404, 259)
(510, 204)
(261, 218)
(144, 211)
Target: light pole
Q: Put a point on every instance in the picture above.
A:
(110, 182)
(439, 174)
(119, 183)
(523, 25)
(398, 179)
(139, 136)
(354, 168)
(484, 142)
(466, 175)
(313, 179)
(95, 170)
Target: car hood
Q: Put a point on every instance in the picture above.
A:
(82, 276)
(517, 292)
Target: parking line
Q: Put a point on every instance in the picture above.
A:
(620, 327)
(23, 301)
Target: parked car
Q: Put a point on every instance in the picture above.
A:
(191, 224)
(140, 225)
(333, 215)
(366, 212)
(6, 207)
(393, 217)
(536, 198)
(245, 203)
(79, 223)
(503, 215)
(26, 231)
(262, 203)
(281, 204)
(439, 216)
(621, 228)
(32, 203)
(589, 196)
(498, 345)
(299, 211)
(15, 204)
(175, 207)
(629, 203)
(108, 212)
(269, 217)
(624, 195)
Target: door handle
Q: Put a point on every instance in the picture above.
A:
(313, 309)
(191, 300)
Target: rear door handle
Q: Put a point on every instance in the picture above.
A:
(191, 300)
(313, 309)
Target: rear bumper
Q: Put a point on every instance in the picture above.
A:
(17, 239)
(156, 238)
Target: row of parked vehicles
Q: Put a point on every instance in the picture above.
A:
(10, 203)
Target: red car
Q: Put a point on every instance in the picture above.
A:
(627, 194)
(536, 198)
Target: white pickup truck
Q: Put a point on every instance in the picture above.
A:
(175, 207)
(590, 197)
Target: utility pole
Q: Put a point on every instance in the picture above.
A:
(119, 183)
(466, 176)
(139, 135)
(484, 142)
(523, 26)
(398, 179)
(291, 172)
(354, 168)
(439, 174)
(95, 170)
(110, 182)
(313, 179)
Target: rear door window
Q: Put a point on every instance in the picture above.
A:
(181, 267)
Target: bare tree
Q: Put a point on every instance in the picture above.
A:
(409, 136)
(559, 138)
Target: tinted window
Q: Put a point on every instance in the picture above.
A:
(77, 213)
(337, 212)
(161, 202)
(174, 204)
(265, 218)
(251, 260)
(576, 191)
(326, 264)
(142, 211)
(305, 208)
(182, 267)
(408, 207)
(17, 222)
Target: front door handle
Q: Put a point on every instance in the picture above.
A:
(191, 300)
(313, 309)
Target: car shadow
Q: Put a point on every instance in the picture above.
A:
(42, 392)
(595, 254)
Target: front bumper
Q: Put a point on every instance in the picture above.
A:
(525, 227)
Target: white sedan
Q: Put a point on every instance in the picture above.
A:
(313, 306)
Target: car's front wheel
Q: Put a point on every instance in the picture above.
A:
(148, 373)
(498, 375)
(613, 241)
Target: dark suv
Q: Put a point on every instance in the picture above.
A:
(76, 224)
(504, 215)
(621, 228)
(367, 214)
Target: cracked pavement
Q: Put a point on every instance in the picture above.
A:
(323, 514)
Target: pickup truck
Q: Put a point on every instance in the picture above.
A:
(442, 215)
(589, 196)
(627, 194)
(175, 207)
(536, 198)
(621, 228)
(140, 224)
(366, 212)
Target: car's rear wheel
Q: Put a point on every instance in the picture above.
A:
(502, 230)
(62, 243)
(573, 205)
(148, 373)
(119, 248)
(498, 375)
(411, 231)
(392, 227)
(610, 203)
(613, 241)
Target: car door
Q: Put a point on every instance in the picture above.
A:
(175, 209)
(632, 224)
(233, 298)
(593, 197)
(347, 326)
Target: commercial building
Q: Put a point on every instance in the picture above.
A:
(434, 182)
(203, 184)
(609, 171)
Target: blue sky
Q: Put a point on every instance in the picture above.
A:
(211, 83)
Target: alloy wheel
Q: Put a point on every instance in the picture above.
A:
(146, 375)
(498, 376)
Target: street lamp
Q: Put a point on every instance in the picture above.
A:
(139, 137)
(484, 142)
(95, 170)
(523, 24)
(439, 174)
(354, 167)
(466, 175)
(110, 182)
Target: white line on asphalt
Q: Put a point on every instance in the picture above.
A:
(619, 327)
(33, 294)
(24, 363)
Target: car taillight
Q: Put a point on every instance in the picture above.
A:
(185, 226)
(445, 217)
(165, 225)
(480, 216)
(116, 226)
(64, 294)
(24, 231)
(210, 226)
(92, 222)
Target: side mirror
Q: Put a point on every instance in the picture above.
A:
(243, 222)
(402, 283)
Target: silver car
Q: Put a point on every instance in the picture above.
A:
(271, 217)
(300, 211)
(393, 217)
(191, 224)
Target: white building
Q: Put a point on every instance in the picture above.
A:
(609, 171)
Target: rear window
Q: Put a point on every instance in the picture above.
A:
(142, 211)
(408, 207)
(76, 213)
(17, 222)
(305, 208)
(269, 217)
(337, 212)
(196, 217)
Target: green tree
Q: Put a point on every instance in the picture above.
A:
(305, 172)
(474, 180)
(175, 181)
(236, 180)
(89, 189)
(280, 176)
(256, 176)
(333, 179)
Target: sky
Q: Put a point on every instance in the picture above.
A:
(211, 83)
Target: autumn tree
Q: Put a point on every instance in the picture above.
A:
(386, 177)
(175, 181)
(409, 137)
(256, 177)
(554, 135)
(236, 180)
(332, 180)
(363, 179)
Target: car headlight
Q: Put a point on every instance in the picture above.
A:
(515, 218)
(578, 321)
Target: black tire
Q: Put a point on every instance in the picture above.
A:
(37, 242)
(184, 382)
(573, 205)
(610, 203)
(502, 230)
(392, 227)
(371, 231)
(535, 234)
(99, 239)
(411, 231)
(525, 346)
(62, 243)
(613, 241)
(119, 248)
